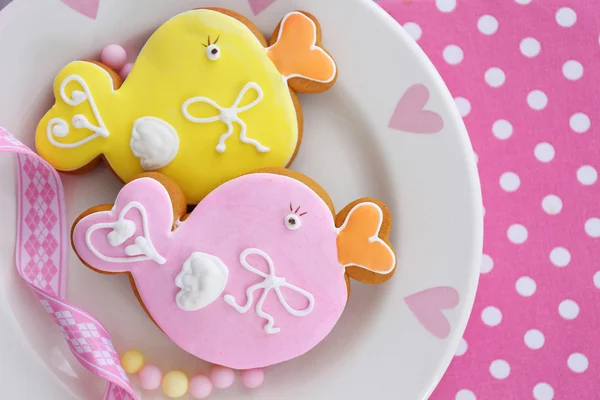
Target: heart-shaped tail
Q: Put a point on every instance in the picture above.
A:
(428, 305)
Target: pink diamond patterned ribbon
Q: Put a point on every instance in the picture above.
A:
(42, 255)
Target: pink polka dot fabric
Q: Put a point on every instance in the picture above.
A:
(526, 78)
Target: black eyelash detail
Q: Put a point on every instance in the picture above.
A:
(303, 214)
(209, 43)
(218, 37)
(291, 208)
(297, 209)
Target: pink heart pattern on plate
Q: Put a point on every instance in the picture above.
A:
(89, 8)
(259, 6)
(410, 115)
(428, 305)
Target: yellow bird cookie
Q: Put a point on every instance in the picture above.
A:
(207, 100)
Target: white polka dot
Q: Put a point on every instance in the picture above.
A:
(517, 234)
(487, 24)
(577, 362)
(523, 1)
(502, 129)
(462, 348)
(413, 29)
(543, 391)
(568, 309)
(587, 175)
(465, 394)
(525, 286)
(566, 17)
(453, 54)
(487, 264)
(537, 100)
(573, 70)
(463, 105)
(544, 152)
(592, 227)
(580, 122)
(560, 257)
(491, 316)
(530, 47)
(500, 369)
(445, 5)
(534, 339)
(509, 181)
(552, 204)
(597, 279)
(495, 77)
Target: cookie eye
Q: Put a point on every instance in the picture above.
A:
(293, 222)
(213, 52)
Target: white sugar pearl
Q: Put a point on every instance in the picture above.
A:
(577, 362)
(500, 369)
(465, 394)
(453, 54)
(568, 309)
(534, 339)
(552, 204)
(462, 347)
(592, 227)
(580, 122)
(537, 100)
(495, 77)
(566, 17)
(509, 181)
(543, 391)
(487, 264)
(487, 24)
(587, 175)
(491, 316)
(502, 129)
(544, 152)
(530, 47)
(413, 29)
(597, 279)
(445, 5)
(463, 105)
(572, 70)
(525, 286)
(560, 257)
(517, 234)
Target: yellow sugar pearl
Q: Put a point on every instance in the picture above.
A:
(133, 361)
(175, 384)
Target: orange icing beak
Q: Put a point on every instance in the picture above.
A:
(297, 53)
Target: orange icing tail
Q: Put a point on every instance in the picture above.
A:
(360, 243)
(297, 52)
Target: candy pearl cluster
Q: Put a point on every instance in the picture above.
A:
(115, 57)
(176, 384)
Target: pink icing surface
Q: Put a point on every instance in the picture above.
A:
(248, 212)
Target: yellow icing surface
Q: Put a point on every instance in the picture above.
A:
(172, 68)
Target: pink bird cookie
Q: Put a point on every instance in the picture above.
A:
(257, 274)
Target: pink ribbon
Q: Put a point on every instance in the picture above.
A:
(41, 256)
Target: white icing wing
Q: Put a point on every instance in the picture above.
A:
(202, 280)
(154, 141)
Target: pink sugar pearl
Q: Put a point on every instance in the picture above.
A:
(126, 70)
(222, 377)
(253, 378)
(114, 56)
(150, 377)
(200, 386)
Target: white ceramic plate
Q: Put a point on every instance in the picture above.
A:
(380, 349)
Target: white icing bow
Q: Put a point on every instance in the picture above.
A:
(270, 282)
(228, 115)
(122, 230)
(60, 128)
